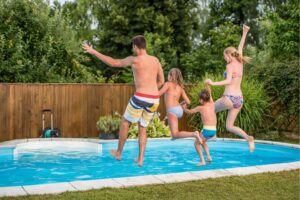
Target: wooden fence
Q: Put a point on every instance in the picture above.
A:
(76, 107)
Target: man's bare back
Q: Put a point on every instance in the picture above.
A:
(145, 71)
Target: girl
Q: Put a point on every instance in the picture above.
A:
(232, 99)
(173, 90)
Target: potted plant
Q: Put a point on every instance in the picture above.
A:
(108, 126)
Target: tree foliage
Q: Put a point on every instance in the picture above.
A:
(277, 63)
(37, 45)
(237, 13)
(281, 30)
(208, 56)
(170, 27)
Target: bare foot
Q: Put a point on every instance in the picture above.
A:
(201, 164)
(115, 154)
(251, 143)
(214, 138)
(209, 160)
(197, 135)
(140, 163)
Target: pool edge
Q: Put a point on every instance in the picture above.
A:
(56, 188)
(13, 143)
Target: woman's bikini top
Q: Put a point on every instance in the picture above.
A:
(234, 75)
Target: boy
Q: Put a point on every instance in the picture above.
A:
(209, 120)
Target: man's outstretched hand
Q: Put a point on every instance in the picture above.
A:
(88, 49)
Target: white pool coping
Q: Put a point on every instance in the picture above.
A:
(56, 188)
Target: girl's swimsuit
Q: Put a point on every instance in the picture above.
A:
(176, 110)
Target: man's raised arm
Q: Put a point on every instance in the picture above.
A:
(108, 60)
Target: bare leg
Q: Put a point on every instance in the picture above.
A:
(199, 151)
(142, 144)
(123, 133)
(214, 138)
(206, 149)
(222, 104)
(173, 123)
(232, 114)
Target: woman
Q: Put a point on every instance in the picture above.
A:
(232, 99)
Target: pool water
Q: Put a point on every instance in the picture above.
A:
(37, 166)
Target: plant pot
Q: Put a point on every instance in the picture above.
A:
(108, 136)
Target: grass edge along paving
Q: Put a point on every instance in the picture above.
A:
(279, 185)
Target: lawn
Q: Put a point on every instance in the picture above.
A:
(280, 185)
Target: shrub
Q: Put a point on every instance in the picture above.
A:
(155, 129)
(109, 124)
(251, 117)
(270, 135)
(281, 82)
(38, 45)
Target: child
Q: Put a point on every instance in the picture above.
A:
(173, 90)
(209, 120)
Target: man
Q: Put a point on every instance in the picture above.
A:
(148, 77)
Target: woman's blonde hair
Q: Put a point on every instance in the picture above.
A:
(234, 53)
(176, 76)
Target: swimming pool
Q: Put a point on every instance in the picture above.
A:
(41, 165)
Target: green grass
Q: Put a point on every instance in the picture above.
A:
(280, 185)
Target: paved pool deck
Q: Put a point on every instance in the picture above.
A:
(56, 188)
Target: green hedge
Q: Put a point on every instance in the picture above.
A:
(280, 78)
(281, 81)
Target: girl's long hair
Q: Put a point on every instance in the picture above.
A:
(176, 76)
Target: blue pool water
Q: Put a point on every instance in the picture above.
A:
(162, 156)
